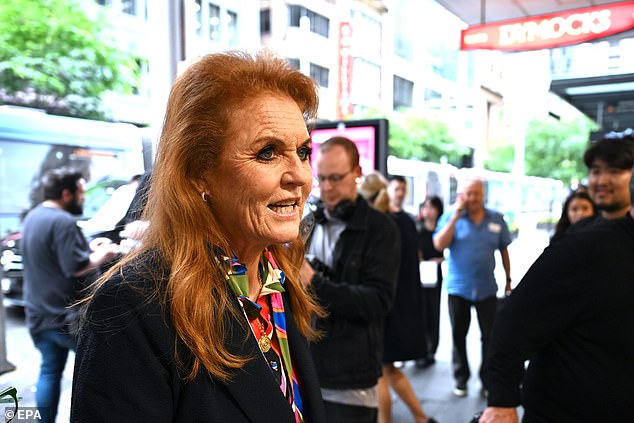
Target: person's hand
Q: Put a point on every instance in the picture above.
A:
(134, 230)
(499, 415)
(507, 288)
(98, 242)
(461, 203)
(306, 273)
(105, 253)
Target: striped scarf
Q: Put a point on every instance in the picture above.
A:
(273, 287)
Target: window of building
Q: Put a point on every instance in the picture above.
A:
(199, 18)
(366, 82)
(403, 92)
(129, 7)
(366, 35)
(265, 21)
(318, 24)
(232, 28)
(432, 94)
(293, 62)
(319, 74)
(214, 22)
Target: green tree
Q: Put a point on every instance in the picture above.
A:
(54, 57)
(422, 138)
(553, 149)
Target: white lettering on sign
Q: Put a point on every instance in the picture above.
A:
(556, 27)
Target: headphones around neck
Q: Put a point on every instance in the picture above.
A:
(342, 211)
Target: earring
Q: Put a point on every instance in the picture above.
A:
(204, 196)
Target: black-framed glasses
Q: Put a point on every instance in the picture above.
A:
(333, 178)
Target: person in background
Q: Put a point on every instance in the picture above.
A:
(405, 318)
(354, 255)
(133, 224)
(609, 162)
(571, 316)
(56, 258)
(207, 319)
(472, 233)
(429, 212)
(578, 205)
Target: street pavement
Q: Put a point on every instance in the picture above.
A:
(433, 386)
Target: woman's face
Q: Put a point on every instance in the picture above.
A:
(578, 209)
(263, 178)
(428, 211)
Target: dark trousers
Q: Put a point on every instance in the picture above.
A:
(460, 316)
(431, 307)
(344, 413)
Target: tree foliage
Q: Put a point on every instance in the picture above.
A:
(54, 57)
(553, 149)
(416, 137)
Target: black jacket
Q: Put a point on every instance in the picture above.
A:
(358, 296)
(572, 316)
(125, 368)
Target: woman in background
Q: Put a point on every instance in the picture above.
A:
(403, 325)
(429, 213)
(577, 206)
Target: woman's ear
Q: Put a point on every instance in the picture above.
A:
(200, 185)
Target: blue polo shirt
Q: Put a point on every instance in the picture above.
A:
(471, 254)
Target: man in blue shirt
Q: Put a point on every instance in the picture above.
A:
(472, 233)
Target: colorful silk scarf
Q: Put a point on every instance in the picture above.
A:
(273, 286)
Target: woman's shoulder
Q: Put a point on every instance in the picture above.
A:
(133, 287)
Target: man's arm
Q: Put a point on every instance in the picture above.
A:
(101, 254)
(370, 295)
(444, 236)
(532, 318)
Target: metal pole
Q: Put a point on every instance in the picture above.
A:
(483, 11)
(5, 365)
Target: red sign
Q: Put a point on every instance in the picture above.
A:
(344, 105)
(553, 30)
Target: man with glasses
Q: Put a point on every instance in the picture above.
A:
(354, 252)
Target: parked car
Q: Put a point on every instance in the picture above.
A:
(105, 200)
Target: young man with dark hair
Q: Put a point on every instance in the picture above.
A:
(571, 313)
(609, 164)
(55, 254)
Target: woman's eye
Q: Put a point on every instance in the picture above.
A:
(304, 153)
(266, 153)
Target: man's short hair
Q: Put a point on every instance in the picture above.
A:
(398, 178)
(616, 153)
(56, 181)
(347, 144)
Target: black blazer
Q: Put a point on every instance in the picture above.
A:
(125, 368)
